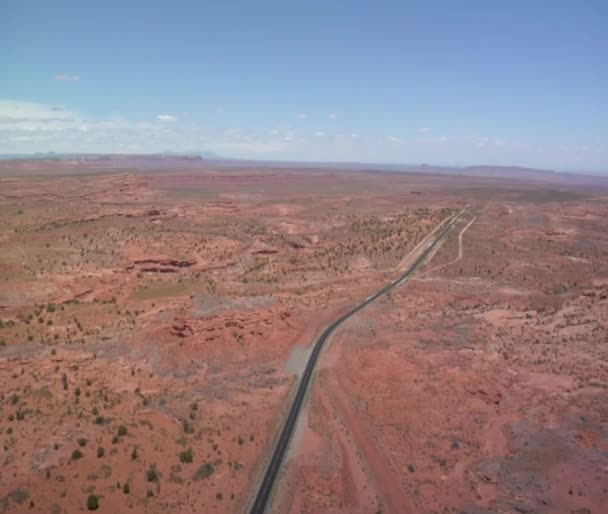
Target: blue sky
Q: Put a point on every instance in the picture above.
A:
(466, 82)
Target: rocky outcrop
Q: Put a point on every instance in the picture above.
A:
(162, 265)
(297, 241)
(181, 329)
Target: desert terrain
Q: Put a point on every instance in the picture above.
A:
(481, 386)
(153, 323)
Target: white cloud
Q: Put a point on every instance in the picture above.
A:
(29, 112)
(166, 118)
(332, 116)
(66, 77)
(436, 139)
(424, 130)
(302, 116)
(27, 127)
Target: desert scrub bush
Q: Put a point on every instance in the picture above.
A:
(122, 431)
(76, 454)
(205, 471)
(126, 488)
(100, 452)
(188, 428)
(82, 442)
(92, 502)
(152, 474)
(186, 456)
(19, 496)
(176, 479)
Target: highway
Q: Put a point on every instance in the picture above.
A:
(266, 486)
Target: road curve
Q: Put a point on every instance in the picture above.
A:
(267, 484)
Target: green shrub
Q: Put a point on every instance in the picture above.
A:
(82, 442)
(152, 474)
(186, 456)
(100, 452)
(19, 496)
(92, 502)
(122, 430)
(205, 471)
(76, 454)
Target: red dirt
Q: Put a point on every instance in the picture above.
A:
(170, 304)
(480, 386)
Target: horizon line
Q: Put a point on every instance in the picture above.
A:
(212, 157)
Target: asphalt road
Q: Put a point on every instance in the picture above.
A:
(270, 477)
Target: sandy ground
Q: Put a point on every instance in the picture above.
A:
(480, 386)
(153, 324)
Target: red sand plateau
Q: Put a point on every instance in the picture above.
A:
(480, 386)
(148, 320)
(154, 319)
